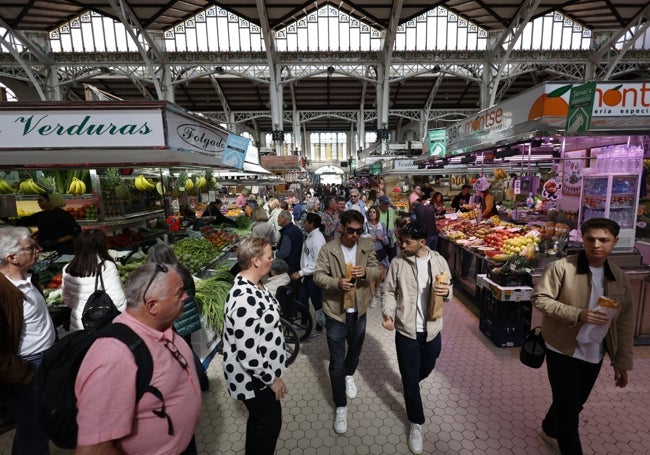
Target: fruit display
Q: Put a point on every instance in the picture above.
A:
(29, 186)
(144, 184)
(55, 282)
(219, 237)
(85, 212)
(5, 188)
(124, 239)
(500, 174)
(77, 187)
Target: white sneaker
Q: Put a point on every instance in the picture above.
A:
(341, 420)
(350, 387)
(415, 438)
(551, 441)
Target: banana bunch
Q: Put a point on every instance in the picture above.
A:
(5, 188)
(500, 174)
(457, 180)
(189, 184)
(29, 186)
(77, 187)
(144, 184)
(201, 183)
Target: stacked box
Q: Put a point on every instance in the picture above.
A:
(506, 323)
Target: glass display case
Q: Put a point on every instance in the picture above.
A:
(615, 197)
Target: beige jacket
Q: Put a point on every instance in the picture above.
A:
(330, 266)
(564, 291)
(400, 294)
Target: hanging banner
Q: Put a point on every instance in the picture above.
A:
(234, 154)
(437, 142)
(581, 106)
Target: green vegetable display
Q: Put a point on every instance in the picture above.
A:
(195, 253)
(211, 295)
(244, 223)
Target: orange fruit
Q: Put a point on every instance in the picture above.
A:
(546, 106)
(612, 96)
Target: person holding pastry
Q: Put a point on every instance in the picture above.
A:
(586, 302)
(417, 283)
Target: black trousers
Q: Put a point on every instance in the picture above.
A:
(264, 422)
(571, 383)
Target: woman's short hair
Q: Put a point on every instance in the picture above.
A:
(273, 203)
(279, 266)
(259, 214)
(250, 247)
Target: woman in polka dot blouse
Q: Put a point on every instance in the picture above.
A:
(253, 347)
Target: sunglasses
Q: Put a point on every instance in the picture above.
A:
(159, 268)
(171, 347)
(351, 231)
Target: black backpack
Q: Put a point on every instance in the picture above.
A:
(57, 406)
(99, 310)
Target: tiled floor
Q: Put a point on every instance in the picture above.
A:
(478, 400)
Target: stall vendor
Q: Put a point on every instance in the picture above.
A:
(214, 209)
(57, 228)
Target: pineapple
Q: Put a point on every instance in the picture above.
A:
(112, 179)
(57, 200)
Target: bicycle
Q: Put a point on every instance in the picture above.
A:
(296, 321)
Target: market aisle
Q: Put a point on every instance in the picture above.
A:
(481, 400)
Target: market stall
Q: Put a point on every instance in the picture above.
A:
(127, 168)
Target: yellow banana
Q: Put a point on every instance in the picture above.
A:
(189, 184)
(5, 188)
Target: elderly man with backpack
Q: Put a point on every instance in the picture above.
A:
(111, 416)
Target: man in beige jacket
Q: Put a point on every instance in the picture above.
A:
(412, 305)
(344, 269)
(578, 332)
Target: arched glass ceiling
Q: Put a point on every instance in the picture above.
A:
(92, 32)
(440, 29)
(328, 29)
(554, 31)
(215, 29)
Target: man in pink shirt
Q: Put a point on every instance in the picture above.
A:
(109, 418)
(242, 199)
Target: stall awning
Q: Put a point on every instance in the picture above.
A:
(106, 134)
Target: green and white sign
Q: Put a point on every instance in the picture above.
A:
(581, 106)
(437, 140)
(375, 168)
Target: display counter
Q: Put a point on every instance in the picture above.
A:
(477, 263)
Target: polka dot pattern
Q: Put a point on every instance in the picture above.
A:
(253, 340)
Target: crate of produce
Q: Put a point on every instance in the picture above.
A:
(505, 293)
(511, 279)
(506, 323)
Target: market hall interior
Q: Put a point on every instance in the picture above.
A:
(479, 400)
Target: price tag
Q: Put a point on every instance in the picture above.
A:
(517, 187)
(535, 233)
(514, 229)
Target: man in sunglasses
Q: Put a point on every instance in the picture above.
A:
(109, 417)
(344, 268)
(26, 332)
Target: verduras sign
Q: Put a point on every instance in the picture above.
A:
(81, 129)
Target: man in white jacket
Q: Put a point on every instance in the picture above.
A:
(412, 304)
(314, 242)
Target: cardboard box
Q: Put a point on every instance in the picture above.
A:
(504, 293)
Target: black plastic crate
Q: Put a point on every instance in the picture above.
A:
(505, 323)
(511, 279)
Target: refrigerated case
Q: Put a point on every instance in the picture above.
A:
(615, 197)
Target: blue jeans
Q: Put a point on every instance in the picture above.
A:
(571, 383)
(30, 437)
(310, 290)
(344, 364)
(416, 359)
